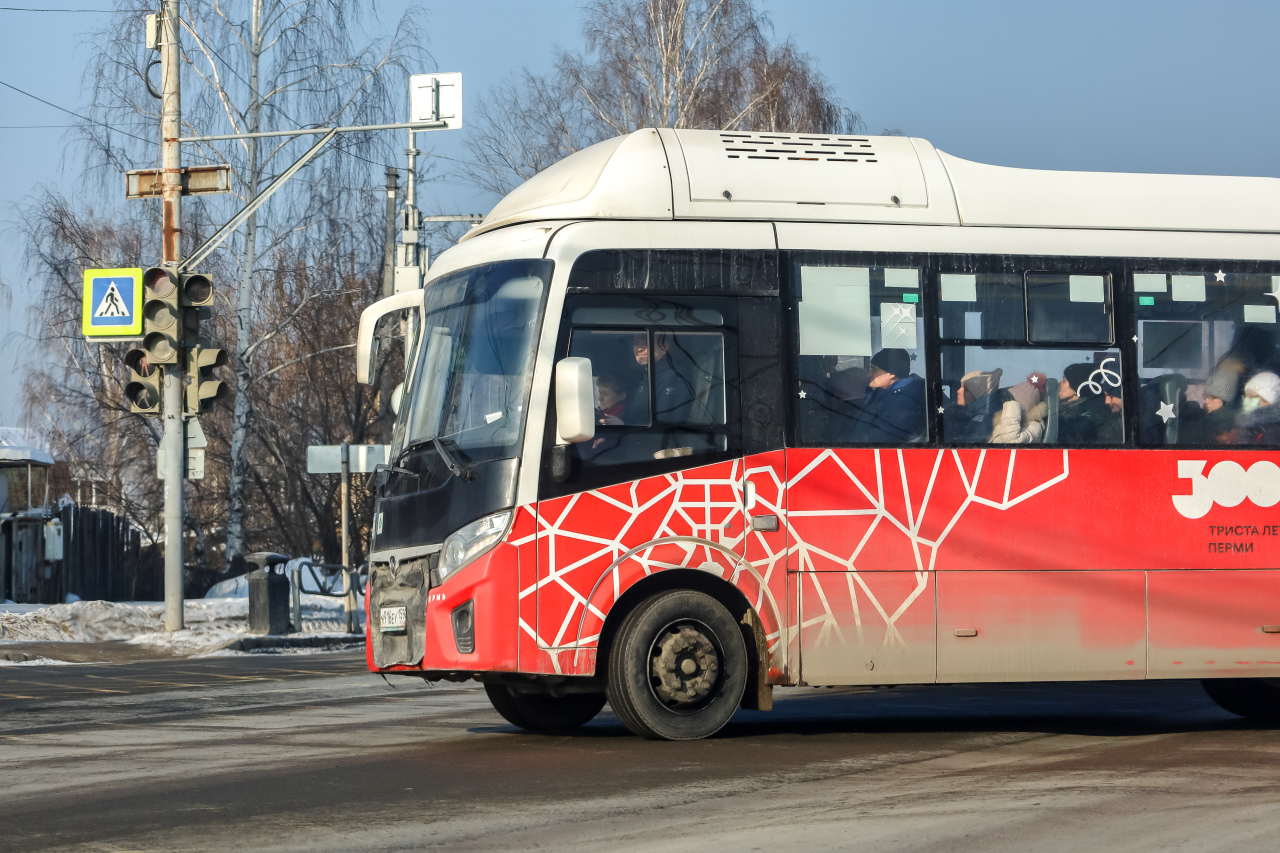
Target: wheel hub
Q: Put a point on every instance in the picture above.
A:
(684, 666)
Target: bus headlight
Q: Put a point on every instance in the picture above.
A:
(467, 543)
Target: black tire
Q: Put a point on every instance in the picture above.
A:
(678, 667)
(1255, 698)
(542, 712)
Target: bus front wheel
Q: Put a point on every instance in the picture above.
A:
(678, 667)
(542, 712)
(1255, 698)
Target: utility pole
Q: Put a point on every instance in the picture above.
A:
(409, 261)
(389, 251)
(174, 445)
(410, 246)
(348, 600)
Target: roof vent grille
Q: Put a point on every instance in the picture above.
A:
(799, 147)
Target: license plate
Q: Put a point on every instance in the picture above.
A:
(391, 619)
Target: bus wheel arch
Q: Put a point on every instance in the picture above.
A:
(759, 693)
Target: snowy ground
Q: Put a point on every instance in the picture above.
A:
(211, 623)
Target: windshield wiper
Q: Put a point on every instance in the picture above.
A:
(456, 468)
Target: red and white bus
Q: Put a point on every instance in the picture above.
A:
(693, 414)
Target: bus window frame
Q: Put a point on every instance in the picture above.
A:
(1181, 266)
(789, 263)
(932, 265)
(550, 487)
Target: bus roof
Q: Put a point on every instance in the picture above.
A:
(705, 174)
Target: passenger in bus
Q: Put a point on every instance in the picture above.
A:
(893, 412)
(1215, 426)
(1111, 429)
(971, 419)
(1022, 417)
(1259, 418)
(611, 395)
(1081, 408)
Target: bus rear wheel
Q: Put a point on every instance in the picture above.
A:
(1255, 698)
(542, 712)
(678, 667)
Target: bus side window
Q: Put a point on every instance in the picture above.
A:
(1003, 381)
(1031, 395)
(1208, 363)
(860, 356)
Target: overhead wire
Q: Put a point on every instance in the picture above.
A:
(77, 115)
(96, 11)
(277, 108)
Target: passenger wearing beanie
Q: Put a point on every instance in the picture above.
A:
(1021, 418)
(1259, 418)
(1111, 428)
(969, 421)
(893, 412)
(1081, 410)
(1217, 424)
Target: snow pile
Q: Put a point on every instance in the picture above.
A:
(82, 621)
(211, 623)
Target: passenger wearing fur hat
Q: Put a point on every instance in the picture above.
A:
(977, 402)
(1259, 418)
(893, 412)
(1218, 422)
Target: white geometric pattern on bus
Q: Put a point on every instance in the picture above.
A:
(811, 558)
(697, 509)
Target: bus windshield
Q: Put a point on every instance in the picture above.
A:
(469, 386)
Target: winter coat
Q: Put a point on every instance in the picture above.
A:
(971, 424)
(1261, 426)
(893, 415)
(1080, 420)
(1012, 426)
(1214, 427)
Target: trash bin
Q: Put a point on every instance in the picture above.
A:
(268, 594)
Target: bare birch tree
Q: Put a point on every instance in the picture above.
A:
(269, 65)
(651, 63)
(313, 251)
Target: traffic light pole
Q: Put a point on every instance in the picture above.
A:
(173, 448)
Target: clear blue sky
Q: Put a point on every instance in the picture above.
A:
(1174, 86)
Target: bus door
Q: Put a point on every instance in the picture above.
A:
(1034, 579)
(857, 476)
(658, 486)
(761, 535)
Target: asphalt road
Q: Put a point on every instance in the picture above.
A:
(310, 752)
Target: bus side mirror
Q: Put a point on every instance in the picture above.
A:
(366, 342)
(575, 401)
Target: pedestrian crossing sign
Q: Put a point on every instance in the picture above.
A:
(112, 304)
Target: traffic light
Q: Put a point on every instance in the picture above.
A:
(143, 388)
(203, 389)
(161, 328)
(197, 290)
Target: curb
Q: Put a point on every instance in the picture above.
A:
(270, 642)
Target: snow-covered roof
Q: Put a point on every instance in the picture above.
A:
(34, 455)
(703, 174)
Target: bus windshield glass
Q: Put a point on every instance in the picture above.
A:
(469, 386)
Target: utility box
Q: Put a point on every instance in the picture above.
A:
(52, 540)
(268, 594)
